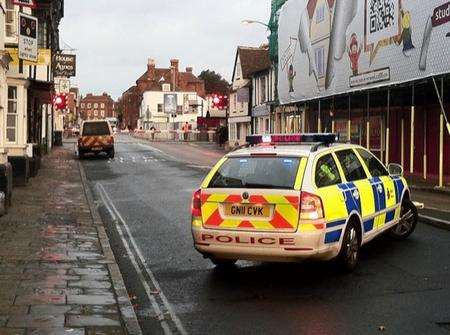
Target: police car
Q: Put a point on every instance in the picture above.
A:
(292, 197)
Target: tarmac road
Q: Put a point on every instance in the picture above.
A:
(144, 198)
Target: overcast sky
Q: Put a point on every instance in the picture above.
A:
(115, 38)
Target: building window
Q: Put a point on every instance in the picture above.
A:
(262, 89)
(238, 69)
(95, 105)
(11, 118)
(103, 105)
(160, 108)
(166, 87)
(11, 19)
(89, 105)
(42, 34)
(103, 113)
(320, 15)
(82, 105)
(320, 61)
(96, 113)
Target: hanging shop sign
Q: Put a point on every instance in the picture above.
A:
(65, 65)
(334, 47)
(28, 33)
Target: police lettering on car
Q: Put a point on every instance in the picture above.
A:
(293, 197)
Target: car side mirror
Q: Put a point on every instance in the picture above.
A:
(395, 169)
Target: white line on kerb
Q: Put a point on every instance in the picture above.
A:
(116, 216)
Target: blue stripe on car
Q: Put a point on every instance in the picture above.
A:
(390, 216)
(368, 225)
(336, 223)
(333, 236)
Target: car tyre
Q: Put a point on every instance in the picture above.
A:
(349, 255)
(111, 154)
(409, 217)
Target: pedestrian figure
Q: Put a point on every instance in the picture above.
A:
(152, 132)
(185, 130)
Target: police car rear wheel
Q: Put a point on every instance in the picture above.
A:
(407, 223)
(349, 255)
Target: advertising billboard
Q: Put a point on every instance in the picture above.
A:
(329, 47)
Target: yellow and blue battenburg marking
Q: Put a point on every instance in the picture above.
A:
(353, 203)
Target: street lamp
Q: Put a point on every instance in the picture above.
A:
(247, 22)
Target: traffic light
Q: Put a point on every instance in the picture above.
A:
(219, 101)
(60, 101)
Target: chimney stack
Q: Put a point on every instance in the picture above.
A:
(151, 69)
(174, 64)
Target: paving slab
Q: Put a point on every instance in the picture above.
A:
(57, 274)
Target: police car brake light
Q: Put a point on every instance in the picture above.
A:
(292, 138)
(196, 207)
(311, 207)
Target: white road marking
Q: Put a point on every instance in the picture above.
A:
(434, 219)
(116, 216)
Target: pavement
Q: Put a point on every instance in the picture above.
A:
(144, 197)
(58, 274)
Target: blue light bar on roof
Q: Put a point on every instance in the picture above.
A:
(293, 138)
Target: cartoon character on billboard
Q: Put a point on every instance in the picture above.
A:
(291, 76)
(354, 52)
(406, 35)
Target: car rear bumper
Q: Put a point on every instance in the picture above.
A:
(258, 246)
(94, 149)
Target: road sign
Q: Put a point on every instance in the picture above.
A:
(64, 65)
(28, 33)
(25, 3)
(64, 85)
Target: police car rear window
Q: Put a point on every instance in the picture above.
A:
(96, 129)
(257, 172)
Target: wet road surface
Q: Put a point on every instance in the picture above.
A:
(144, 197)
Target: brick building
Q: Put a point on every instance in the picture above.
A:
(94, 107)
(143, 105)
(128, 107)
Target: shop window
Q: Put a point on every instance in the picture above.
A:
(11, 118)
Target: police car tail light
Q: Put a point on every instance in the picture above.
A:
(196, 207)
(311, 207)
